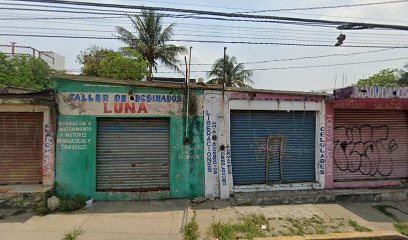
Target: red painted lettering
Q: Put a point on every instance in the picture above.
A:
(105, 108)
(118, 107)
(142, 107)
(130, 107)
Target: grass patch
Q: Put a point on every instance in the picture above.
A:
(383, 210)
(249, 228)
(73, 234)
(69, 204)
(190, 231)
(41, 208)
(402, 227)
(357, 227)
(302, 226)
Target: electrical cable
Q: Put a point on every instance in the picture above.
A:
(309, 32)
(327, 7)
(312, 66)
(302, 58)
(232, 16)
(249, 37)
(204, 41)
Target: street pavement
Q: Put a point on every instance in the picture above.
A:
(166, 219)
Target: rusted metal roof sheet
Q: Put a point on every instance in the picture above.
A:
(202, 86)
(21, 139)
(370, 145)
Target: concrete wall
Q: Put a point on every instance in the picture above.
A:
(57, 62)
(81, 103)
(217, 152)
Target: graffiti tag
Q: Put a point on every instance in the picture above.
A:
(365, 149)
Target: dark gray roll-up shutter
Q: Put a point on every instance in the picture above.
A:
(133, 154)
(287, 139)
(21, 139)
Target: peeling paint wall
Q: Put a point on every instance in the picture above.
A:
(82, 103)
(217, 150)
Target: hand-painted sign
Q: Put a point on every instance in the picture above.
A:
(119, 104)
(371, 92)
(74, 135)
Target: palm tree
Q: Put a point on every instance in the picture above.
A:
(152, 41)
(236, 75)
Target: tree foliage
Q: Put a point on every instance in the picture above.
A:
(91, 60)
(236, 75)
(386, 78)
(128, 65)
(151, 40)
(125, 65)
(24, 71)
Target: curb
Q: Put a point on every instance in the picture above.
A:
(390, 235)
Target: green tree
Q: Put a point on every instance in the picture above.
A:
(236, 75)
(24, 71)
(125, 65)
(385, 78)
(152, 41)
(403, 81)
(91, 60)
(128, 65)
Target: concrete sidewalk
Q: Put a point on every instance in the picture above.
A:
(166, 219)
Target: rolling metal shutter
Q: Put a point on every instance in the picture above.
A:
(287, 139)
(21, 138)
(370, 145)
(133, 154)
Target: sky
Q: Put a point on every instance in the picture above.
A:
(298, 79)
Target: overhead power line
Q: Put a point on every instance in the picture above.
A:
(327, 7)
(233, 16)
(331, 65)
(302, 58)
(130, 13)
(294, 67)
(207, 35)
(314, 66)
(205, 41)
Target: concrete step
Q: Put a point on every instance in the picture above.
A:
(22, 196)
(320, 196)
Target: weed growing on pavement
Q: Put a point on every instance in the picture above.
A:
(41, 209)
(250, 227)
(190, 231)
(68, 204)
(357, 227)
(383, 210)
(402, 227)
(73, 234)
(304, 226)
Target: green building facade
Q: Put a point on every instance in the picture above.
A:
(118, 140)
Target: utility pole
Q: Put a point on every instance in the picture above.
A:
(13, 48)
(185, 62)
(225, 71)
(189, 65)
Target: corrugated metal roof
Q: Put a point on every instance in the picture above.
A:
(202, 86)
